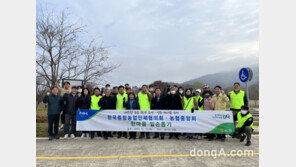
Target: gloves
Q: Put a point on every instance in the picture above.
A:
(192, 110)
(124, 99)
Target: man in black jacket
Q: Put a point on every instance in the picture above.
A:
(107, 102)
(244, 127)
(55, 104)
(70, 101)
(158, 103)
(173, 102)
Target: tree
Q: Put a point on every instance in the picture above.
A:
(254, 93)
(62, 53)
(197, 85)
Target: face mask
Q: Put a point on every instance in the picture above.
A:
(244, 112)
(181, 91)
(173, 92)
(79, 90)
(151, 89)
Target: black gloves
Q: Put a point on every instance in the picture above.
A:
(192, 110)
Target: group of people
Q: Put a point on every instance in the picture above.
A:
(64, 102)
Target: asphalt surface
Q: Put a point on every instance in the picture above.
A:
(146, 152)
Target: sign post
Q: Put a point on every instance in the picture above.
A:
(246, 75)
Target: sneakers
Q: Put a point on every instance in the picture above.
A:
(72, 136)
(243, 137)
(83, 135)
(50, 138)
(87, 135)
(66, 136)
(61, 127)
(162, 138)
(248, 143)
(56, 137)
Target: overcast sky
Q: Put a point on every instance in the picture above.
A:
(170, 40)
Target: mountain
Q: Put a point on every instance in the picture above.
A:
(225, 79)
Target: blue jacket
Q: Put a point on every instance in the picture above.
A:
(136, 105)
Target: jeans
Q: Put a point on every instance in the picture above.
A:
(189, 134)
(156, 134)
(70, 118)
(63, 118)
(53, 120)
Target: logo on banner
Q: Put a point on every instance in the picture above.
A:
(221, 116)
(83, 115)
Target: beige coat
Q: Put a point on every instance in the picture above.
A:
(220, 101)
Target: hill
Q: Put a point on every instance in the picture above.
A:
(225, 79)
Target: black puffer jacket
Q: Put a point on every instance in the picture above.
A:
(107, 103)
(173, 102)
(70, 102)
(83, 102)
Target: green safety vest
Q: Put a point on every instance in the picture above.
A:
(189, 106)
(181, 96)
(198, 98)
(94, 102)
(237, 100)
(119, 101)
(143, 101)
(241, 120)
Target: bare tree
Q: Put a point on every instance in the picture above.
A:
(41, 89)
(62, 54)
(95, 63)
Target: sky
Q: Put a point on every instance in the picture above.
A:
(169, 40)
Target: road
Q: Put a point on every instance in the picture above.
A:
(145, 152)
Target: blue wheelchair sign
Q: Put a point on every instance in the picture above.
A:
(244, 74)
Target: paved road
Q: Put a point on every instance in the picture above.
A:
(153, 152)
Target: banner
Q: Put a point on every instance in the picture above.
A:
(205, 121)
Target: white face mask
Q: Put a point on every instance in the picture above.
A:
(151, 89)
(181, 91)
(79, 90)
(173, 92)
(244, 112)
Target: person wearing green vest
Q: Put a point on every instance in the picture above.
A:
(180, 92)
(244, 127)
(94, 105)
(121, 98)
(199, 105)
(144, 98)
(238, 98)
(198, 99)
(189, 103)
